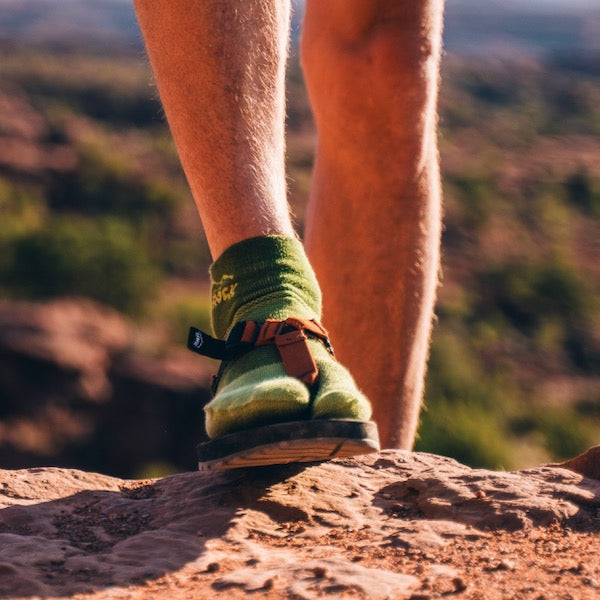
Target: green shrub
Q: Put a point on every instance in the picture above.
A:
(475, 195)
(190, 312)
(22, 208)
(456, 373)
(566, 434)
(465, 406)
(187, 258)
(74, 257)
(528, 293)
(108, 89)
(471, 435)
(105, 183)
(549, 302)
(583, 191)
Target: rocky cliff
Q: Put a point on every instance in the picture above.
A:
(78, 389)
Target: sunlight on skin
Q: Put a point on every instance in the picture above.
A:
(223, 93)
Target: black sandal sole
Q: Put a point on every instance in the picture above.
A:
(293, 442)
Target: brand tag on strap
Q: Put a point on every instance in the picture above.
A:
(206, 345)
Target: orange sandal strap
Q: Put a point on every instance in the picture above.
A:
(290, 336)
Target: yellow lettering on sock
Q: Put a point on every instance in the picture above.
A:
(223, 279)
(221, 292)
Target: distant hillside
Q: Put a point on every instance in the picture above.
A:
(93, 203)
(67, 23)
(506, 27)
(509, 27)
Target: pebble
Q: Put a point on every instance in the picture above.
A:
(212, 567)
(320, 572)
(459, 584)
(268, 584)
(502, 565)
(506, 565)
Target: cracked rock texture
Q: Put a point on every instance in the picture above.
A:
(391, 525)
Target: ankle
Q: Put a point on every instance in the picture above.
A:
(267, 277)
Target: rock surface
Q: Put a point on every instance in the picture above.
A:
(391, 525)
(75, 390)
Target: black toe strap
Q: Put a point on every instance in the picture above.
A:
(241, 339)
(206, 345)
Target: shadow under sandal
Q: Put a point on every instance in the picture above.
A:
(298, 344)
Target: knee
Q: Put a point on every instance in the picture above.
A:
(380, 40)
(372, 77)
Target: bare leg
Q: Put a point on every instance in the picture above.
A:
(374, 214)
(220, 66)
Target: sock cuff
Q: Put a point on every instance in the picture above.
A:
(263, 277)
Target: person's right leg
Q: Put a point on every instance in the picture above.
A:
(220, 69)
(219, 65)
(374, 217)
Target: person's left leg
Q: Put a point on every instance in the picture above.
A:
(373, 232)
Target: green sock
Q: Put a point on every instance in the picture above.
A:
(269, 277)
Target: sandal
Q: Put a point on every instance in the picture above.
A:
(307, 440)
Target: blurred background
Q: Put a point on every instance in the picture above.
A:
(103, 263)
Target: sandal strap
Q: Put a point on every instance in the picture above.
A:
(290, 336)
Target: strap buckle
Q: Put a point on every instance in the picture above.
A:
(289, 336)
(296, 356)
